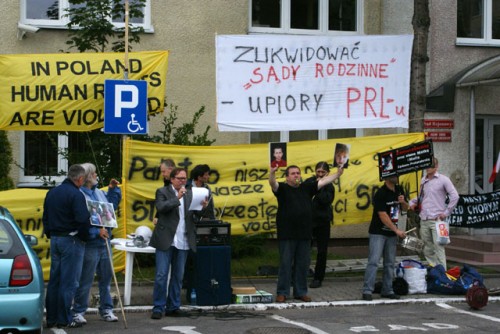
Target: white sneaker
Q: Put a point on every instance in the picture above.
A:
(78, 318)
(109, 317)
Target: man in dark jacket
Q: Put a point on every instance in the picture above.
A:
(66, 221)
(173, 236)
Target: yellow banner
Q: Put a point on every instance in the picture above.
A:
(65, 91)
(239, 181)
(239, 178)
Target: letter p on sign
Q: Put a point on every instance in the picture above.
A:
(120, 93)
(125, 107)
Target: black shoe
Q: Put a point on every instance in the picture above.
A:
(367, 297)
(156, 315)
(50, 325)
(176, 313)
(391, 296)
(315, 284)
(72, 324)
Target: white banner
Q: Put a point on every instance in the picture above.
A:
(283, 82)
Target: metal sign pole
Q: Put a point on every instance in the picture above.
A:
(125, 74)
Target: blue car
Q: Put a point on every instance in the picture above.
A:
(21, 279)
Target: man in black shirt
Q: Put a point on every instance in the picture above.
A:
(293, 222)
(383, 234)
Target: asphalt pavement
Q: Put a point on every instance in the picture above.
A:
(345, 290)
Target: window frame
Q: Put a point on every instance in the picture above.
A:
(487, 40)
(62, 22)
(35, 181)
(323, 21)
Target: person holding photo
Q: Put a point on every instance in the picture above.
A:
(322, 216)
(293, 223)
(383, 235)
(96, 258)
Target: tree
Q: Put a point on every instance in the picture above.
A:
(91, 24)
(90, 29)
(421, 22)
(182, 135)
(6, 182)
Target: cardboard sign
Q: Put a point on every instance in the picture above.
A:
(405, 159)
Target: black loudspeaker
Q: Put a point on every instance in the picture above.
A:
(211, 276)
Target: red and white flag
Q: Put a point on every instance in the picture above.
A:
(495, 170)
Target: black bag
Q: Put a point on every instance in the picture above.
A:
(399, 285)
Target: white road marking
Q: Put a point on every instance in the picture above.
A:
(474, 314)
(181, 329)
(299, 324)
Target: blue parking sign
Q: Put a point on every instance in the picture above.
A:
(126, 107)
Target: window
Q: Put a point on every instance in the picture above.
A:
(41, 157)
(478, 22)
(44, 155)
(52, 14)
(306, 16)
(290, 136)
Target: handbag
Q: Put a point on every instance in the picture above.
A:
(442, 232)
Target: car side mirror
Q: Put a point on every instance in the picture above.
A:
(31, 239)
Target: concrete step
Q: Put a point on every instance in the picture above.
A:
(484, 243)
(478, 250)
(472, 254)
(352, 265)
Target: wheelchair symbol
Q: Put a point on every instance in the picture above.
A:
(134, 126)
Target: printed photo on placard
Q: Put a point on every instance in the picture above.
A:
(341, 155)
(277, 154)
(102, 214)
(387, 162)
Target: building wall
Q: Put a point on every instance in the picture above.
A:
(446, 60)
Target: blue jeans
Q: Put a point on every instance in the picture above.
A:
(294, 254)
(66, 259)
(175, 260)
(96, 259)
(380, 245)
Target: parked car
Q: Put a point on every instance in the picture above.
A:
(21, 279)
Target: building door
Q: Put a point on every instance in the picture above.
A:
(487, 152)
(486, 155)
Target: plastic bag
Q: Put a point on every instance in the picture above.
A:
(414, 274)
(442, 232)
